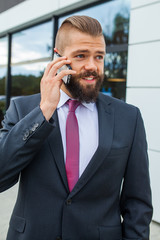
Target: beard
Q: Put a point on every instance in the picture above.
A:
(88, 92)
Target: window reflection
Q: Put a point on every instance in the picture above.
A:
(114, 18)
(3, 51)
(2, 81)
(2, 93)
(3, 69)
(33, 43)
(31, 51)
(115, 74)
(26, 78)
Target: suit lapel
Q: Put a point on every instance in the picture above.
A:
(56, 146)
(106, 125)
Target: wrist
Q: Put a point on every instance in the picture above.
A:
(47, 110)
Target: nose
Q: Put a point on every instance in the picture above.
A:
(90, 65)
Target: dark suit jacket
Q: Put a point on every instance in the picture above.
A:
(111, 200)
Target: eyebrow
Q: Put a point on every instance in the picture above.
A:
(86, 51)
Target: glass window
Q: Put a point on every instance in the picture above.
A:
(114, 18)
(3, 70)
(31, 51)
(33, 43)
(26, 78)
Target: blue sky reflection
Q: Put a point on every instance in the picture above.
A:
(33, 43)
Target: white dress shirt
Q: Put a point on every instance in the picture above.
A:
(87, 117)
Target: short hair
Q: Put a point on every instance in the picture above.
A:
(83, 24)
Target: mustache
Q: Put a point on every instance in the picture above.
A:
(87, 74)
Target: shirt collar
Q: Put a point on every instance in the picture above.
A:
(64, 98)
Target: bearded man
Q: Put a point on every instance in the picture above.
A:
(80, 156)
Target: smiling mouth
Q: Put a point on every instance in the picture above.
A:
(89, 79)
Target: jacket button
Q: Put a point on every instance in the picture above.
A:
(35, 126)
(69, 201)
(26, 135)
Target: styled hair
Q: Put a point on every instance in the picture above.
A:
(83, 24)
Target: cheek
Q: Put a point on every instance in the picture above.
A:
(101, 69)
(77, 67)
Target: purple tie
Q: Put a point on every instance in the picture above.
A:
(72, 145)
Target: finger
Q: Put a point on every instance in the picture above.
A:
(57, 66)
(63, 73)
(50, 65)
(53, 70)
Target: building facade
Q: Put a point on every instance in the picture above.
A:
(130, 27)
(143, 81)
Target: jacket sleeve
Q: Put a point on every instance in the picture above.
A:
(20, 140)
(136, 206)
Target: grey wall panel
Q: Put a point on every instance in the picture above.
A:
(6, 4)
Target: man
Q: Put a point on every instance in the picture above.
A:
(111, 199)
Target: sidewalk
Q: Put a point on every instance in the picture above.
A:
(7, 200)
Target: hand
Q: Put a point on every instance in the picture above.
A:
(51, 84)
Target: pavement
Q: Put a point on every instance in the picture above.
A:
(7, 201)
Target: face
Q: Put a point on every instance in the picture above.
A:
(87, 59)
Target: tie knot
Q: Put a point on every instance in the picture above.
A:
(73, 104)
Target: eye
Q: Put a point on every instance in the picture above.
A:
(100, 57)
(80, 56)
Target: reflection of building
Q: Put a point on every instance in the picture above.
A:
(27, 40)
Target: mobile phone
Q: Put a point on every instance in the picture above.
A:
(66, 78)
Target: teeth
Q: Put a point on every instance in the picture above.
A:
(89, 78)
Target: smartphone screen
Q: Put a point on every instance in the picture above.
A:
(66, 78)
